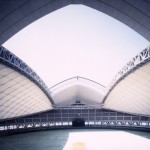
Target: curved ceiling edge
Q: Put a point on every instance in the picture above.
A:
(77, 90)
(135, 15)
(9, 59)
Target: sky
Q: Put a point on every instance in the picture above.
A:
(76, 41)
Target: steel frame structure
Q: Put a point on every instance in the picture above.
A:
(139, 60)
(76, 77)
(62, 119)
(11, 60)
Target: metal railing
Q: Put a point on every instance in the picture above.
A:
(94, 118)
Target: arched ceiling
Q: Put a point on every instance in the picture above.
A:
(77, 89)
(129, 90)
(131, 95)
(22, 92)
(76, 93)
(19, 96)
(16, 14)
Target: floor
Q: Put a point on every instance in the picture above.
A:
(77, 140)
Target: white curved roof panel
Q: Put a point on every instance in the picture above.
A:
(20, 96)
(77, 89)
(132, 94)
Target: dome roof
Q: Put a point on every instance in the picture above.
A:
(77, 90)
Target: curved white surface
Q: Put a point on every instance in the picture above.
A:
(77, 89)
(132, 94)
(19, 96)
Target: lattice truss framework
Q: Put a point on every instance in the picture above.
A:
(22, 92)
(63, 118)
(129, 91)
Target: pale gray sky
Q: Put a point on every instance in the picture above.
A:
(76, 40)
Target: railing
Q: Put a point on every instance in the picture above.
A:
(79, 106)
(13, 61)
(144, 125)
(94, 118)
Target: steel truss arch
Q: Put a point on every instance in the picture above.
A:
(138, 61)
(11, 60)
(76, 77)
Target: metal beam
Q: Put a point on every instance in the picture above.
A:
(62, 118)
(138, 61)
(12, 61)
